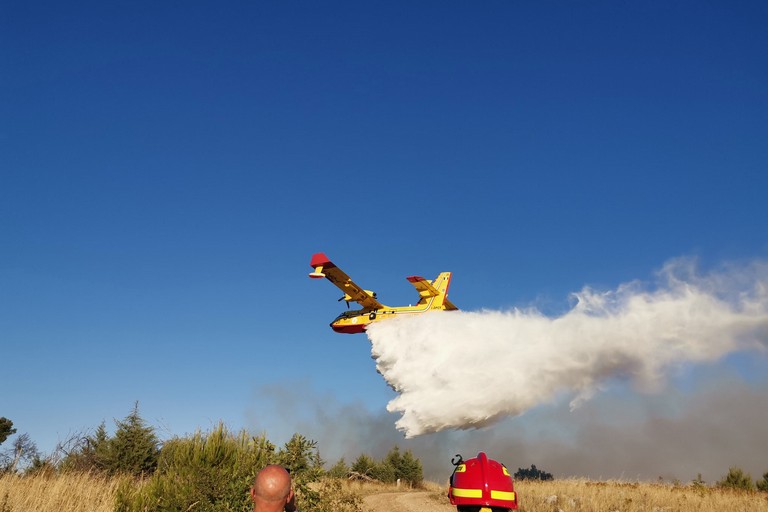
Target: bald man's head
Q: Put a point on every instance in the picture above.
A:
(272, 488)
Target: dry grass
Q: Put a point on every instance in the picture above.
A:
(585, 495)
(60, 493)
(575, 495)
(364, 488)
(588, 496)
(89, 493)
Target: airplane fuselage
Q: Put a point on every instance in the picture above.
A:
(357, 321)
(433, 295)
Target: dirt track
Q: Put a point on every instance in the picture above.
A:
(412, 501)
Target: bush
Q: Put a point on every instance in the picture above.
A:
(333, 498)
(301, 458)
(762, 485)
(736, 479)
(206, 472)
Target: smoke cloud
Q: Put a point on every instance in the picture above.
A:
(463, 370)
(710, 418)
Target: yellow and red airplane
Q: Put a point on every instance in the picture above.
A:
(433, 295)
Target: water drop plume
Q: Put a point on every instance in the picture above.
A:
(467, 369)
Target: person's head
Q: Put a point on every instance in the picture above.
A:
(272, 491)
(481, 485)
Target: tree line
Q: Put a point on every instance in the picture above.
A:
(205, 465)
(212, 470)
(736, 479)
(394, 467)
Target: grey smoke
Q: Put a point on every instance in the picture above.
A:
(709, 419)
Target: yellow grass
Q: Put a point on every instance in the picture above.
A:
(364, 488)
(575, 495)
(89, 493)
(59, 493)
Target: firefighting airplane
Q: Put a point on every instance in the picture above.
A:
(433, 295)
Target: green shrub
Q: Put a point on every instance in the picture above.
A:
(762, 485)
(736, 479)
(301, 458)
(205, 472)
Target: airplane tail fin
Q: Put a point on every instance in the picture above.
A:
(434, 292)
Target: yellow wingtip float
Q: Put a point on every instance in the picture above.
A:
(433, 295)
(318, 273)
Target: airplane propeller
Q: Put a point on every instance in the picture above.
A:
(341, 299)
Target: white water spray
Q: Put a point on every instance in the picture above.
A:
(468, 369)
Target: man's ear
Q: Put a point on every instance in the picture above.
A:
(253, 494)
(290, 496)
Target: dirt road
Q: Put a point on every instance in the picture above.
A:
(413, 501)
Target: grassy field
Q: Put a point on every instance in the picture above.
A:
(60, 493)
(89, 493)
(584, 495)
(575, 495)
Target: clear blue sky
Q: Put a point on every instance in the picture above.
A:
(167, 171)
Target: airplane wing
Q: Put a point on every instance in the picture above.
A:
(352, 292)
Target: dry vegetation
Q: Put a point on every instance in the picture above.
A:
(588, 496)
(575, 495)
(89, 493)
(365, 488)
(61, 493)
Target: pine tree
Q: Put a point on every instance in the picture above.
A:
(134, 449)
(98, 447)
(339, 470)
(364, 465)
(410, 469)
(300, 456)
(6, 429)
(395, 461)
(383, 472)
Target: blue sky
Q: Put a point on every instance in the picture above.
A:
(167, 171)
